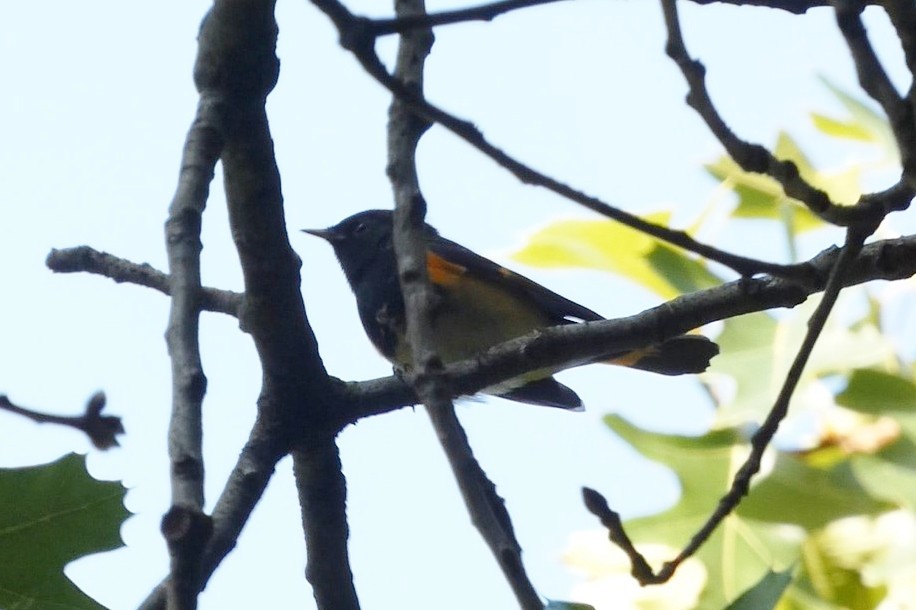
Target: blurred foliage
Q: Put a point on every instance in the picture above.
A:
(829, 523)
(53, 514)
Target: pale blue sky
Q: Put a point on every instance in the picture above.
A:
(98, 97)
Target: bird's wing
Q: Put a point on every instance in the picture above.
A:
(447, 257)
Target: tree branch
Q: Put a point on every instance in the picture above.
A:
(889, 260)
(185, 527)
(201, 152)
(89, 260)
(483, 12)
(241, 69)
(243, 490)
(563, 346)
(357, 36)
(102, 430)
(903, 18)
(797, 7)
(756, 158)
(759, 442)
(875, 81)
(405, 128)
(323, 496)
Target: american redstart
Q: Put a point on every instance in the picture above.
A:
(480, 304)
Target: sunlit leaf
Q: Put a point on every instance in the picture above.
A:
(849, 130)
(878, 392)
(891, 474)
(609, 246)
(609, 584)
(762, 197)
(794, 492)
(863, 120)
(836, 558)
(765, 594)
(757, 351)
(50, 516)
(741, 550)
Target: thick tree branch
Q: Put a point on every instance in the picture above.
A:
(185, 527)
(102, 430)
(323, 497)
(561, 346)
(405, 128)
(889, 260)
(903, 18)
(235, 70)
(358, 38)
(241, 493)
(242, 69)
(797, 7)
(201, 152)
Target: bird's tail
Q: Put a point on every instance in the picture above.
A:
(685, 354)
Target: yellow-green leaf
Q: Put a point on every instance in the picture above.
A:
(606, 245)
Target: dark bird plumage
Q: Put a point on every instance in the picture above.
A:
(480, 304)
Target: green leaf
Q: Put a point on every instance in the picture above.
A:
(757, 351)
(765, 594)
(891, 474)
(741, 550)
(835, 559)
(751, 356)
(863, 120)
(794, 492)
(849, 130)
(767, 528)
(683, 274)
(606, 245)
(876, 392)
(50, 516)
(761, 197)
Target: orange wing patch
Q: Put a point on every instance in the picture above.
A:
(631, 358)
(441, 271)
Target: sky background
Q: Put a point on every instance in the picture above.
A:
(98, 98)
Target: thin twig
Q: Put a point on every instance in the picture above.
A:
(89, 260)
(758, 159)
(875, 81)
(102, 430)
(764, 435)
(796, 7)
(356, 36)
(598, 506)
(483, 12)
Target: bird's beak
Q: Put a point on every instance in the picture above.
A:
(326, 234)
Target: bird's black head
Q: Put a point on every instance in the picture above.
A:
(360, 242)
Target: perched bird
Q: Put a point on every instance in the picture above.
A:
(481, 304)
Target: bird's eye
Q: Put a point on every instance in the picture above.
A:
(360, 228)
